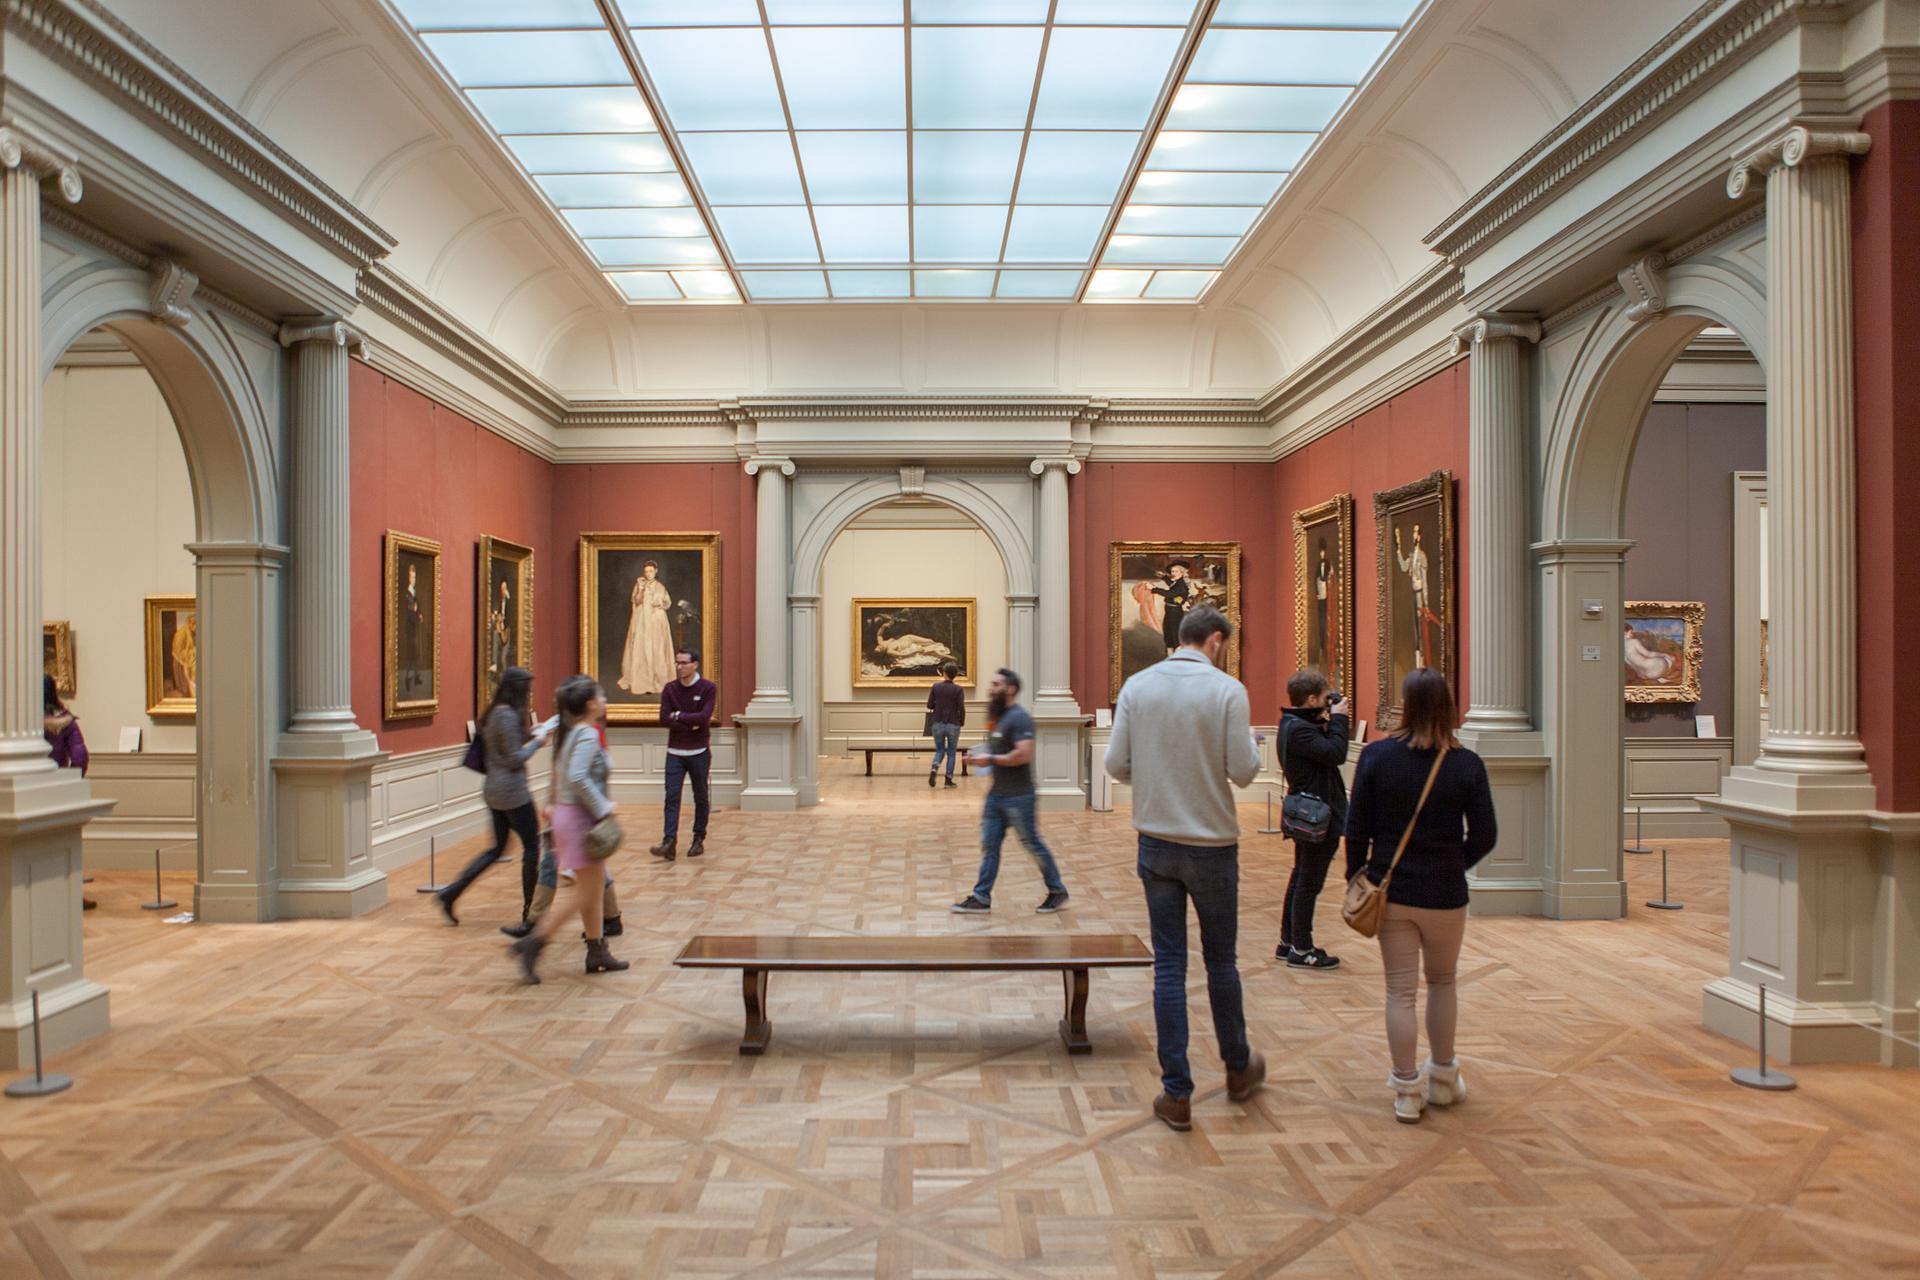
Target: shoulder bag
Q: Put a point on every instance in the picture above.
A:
(1304, 817)
(1365, 905)
(476, 758)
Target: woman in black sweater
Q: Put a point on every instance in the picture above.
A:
(1426, 916)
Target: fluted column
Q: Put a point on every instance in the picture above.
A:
(1498, 522)
(772, 668)
(1814, 720)
(320, 506)
(1054, 653)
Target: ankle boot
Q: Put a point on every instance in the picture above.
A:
(698, 847)
(611, 927)
(1409, 1097)
(527, 952)
(1445, 1085)
(667, 848)
(600, 960)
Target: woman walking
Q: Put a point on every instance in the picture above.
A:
(1421, 777)
(509, 737)
(580, 772)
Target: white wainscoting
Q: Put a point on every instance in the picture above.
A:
(155, 796)
(1665, 778)
(901, 722)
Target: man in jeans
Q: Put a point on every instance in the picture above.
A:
(686, 709)
(1009, 751)
(947, 705)
(1182, 735)
(1313, 746)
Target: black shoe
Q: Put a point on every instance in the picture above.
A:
(1311, 958)
(1284, 950)
(611, 927)
(667, 848)
(446, 907)
(698, 847)
(520, 930)
(930, 773)
(527, 952)
(971, 905)
(1052, 902)
(951, 782)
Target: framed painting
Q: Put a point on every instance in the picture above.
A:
(1662, 650)
(1413, 561)
(1152, 586)
(173, 657)
(1323, 590)
(56, 656)
(902, 644)
(644, 596)
(504, 625)
(411, 591)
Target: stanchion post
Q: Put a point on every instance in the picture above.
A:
(1666, 902)
(42, 1083)
(160, 902)
(1269, 829)
(433, 884)
(1638, 845)
(1760, 1077)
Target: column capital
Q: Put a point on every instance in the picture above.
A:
(330, 330)
(1040, 466)
(23, 148)
(758, 461)
(1789, 149)
(1493, 324)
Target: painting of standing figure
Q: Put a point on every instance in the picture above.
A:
(905, 643)
(173, 656)
(412, 638)
(1323, 590)
(1153, 586)
(505, 622)
(1413, 548)
(644, 596)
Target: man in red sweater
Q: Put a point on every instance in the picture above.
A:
(686, 709)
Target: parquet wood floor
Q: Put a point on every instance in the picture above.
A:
(381, 1097)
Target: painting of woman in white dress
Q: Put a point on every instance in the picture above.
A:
(647, 662)
(1660, 650)
(642, 595)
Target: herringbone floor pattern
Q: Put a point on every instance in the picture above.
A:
(381, 1097)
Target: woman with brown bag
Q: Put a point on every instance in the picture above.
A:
(1420, 815)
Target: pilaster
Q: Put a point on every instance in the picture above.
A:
(771, 720)
(1058, 723)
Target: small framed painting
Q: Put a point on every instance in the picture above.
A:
(504, 625)
(1413, 549)
(903, 644)
(643, 597)
(411, 667)
(1662, 650)
(1323, 590)
(173, 657)
(56, 655)
(1152, 586)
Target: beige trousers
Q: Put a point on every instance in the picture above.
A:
(1410, 936)
(543, 898)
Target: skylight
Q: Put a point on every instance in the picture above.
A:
(720, 151)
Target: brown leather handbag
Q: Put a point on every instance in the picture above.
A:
(1365, 905)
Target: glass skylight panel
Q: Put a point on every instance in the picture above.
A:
(592, 153)
(499, 15)
(1117, 284)
(961, 11)
(646, 286)
(1198, 250)
(1054, 233)
(974, 77)
(673, 252)
(1387, 15)
(1075, 168)
(862, 233)
(958, 232)
(844, 77)
(870, 284)
(1172, 13)
(855, 168)
(1104, 77)
(1179, 284)
(715, 285)
(780, 234)
(1161, 187)
(831, 11)
(690, 13)
(784, 284)
(1305, 108)
(713, 78)
(600, 109)
(614, 190)
(512, 59)
(1249, 56)
(744, 168)
(953, 284)
(635, 222)
(1038, 284)
(964, 167)
(1185, 220)
(1229, 152)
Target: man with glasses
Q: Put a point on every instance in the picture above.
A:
(686, 709)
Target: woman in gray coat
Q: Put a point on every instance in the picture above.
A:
(510, 739)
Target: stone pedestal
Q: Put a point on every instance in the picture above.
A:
(41, 817)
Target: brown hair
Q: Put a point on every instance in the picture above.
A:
(1427, 715)
(1305, 684)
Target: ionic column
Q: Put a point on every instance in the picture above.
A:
(1054, 653)
(772, 669)
(1498, 524)
(1814, 725)
(25, 162)
(320, 505)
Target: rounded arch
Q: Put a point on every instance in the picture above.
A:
(858, 497)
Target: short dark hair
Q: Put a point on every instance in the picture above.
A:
(1302, 685)
(1201, 623)
(1427, 713)
(50, 695)
(949, 669)
(693, 654)
(1011, 676)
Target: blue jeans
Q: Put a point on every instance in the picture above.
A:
(1210, 875)
(946, 742)
(696, 768)
(1015, 810)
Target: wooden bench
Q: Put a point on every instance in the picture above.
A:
(1072, 954)
(900, 748)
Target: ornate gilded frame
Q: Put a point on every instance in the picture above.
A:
(60, 634)
(707, 544)
(159, 705)
(521, 557)
(1117, 550)
(1693, 614)
(393, 708)
(1436, 487)
(971, 667)
(1338, 509)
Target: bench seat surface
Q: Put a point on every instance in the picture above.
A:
(911, 952)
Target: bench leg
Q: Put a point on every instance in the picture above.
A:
(753, 986)
(1073, 1027)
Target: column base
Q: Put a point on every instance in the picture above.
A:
(1807, 1031)
(325, 809)
(770, 728)
(1760, 786)
(1059, 754)
(332, 898)
(1512, 880)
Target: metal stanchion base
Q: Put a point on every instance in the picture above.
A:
(1269, 831)
(1664, 905)
(430, 888)
(1761, 1078)
(163, 905)
(41, 1086)
(1634, 848)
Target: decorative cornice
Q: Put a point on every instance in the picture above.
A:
(1493, 327)
(172, 288)
(389, 295)
(1644, 283)
(23, 148)
(1788, 150)
(88, 41)
(1696, 54)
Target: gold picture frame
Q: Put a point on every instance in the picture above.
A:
(1406, 641)
(503, 623)
(1130, 619)
(619, 644)
(922, 633)
(410, 638)
(56, 656)
(173, 657)
(1669, 630)
(1330, 524)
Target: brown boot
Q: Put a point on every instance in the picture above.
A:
(668, 848)
(698, 847)
(1175, 1113)
(600, 960)
(1242, 1083)
(527, 952)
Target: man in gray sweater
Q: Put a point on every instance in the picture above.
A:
(1182, 735)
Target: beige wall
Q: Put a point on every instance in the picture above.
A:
(118, 515)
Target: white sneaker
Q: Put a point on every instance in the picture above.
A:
(1445, 1085)
(1409, 1097)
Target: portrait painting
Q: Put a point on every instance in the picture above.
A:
(56, 656)
(1413, 560)
(173, 656)
(504, 621)
(1661, 650)
(1152, 587)
(1323, 590)
(643, 597)
(905, 643)
(411, 670)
